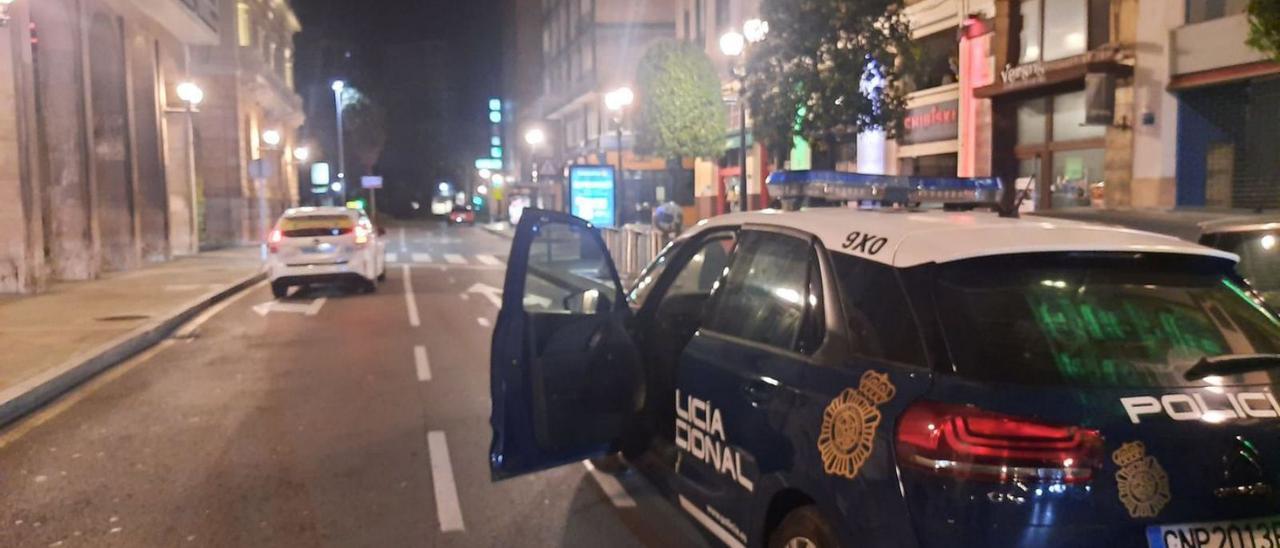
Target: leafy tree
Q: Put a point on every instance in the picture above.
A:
(828, 69)
(1264, 27)
(680, 112)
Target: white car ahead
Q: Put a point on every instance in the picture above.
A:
(321, 245)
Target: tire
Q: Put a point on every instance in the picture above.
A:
(279, 290)
(803, 528)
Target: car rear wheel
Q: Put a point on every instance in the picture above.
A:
(803, 528)
(279, 290)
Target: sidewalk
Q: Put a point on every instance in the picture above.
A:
(52, 341)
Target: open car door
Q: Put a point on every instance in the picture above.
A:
(565, 378)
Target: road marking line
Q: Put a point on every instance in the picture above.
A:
(716, 529)
(488, 260)
(404, 247)
(447, 507)
(409, 300)
(316, 305)
(611, 486)
(420, 360)
(455, 259)
(190, 327)
(484, 322)
(421, 257)
(390, 258)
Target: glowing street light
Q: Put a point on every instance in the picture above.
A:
(619, 99)
(755, 30)
(535, 137)
(190, 93)
(486, 174)
(733, 43)
(271, 137)
(338, 86)
(301, 154)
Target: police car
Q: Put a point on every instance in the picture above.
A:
(902, 376)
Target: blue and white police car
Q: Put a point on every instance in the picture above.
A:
(902, 377)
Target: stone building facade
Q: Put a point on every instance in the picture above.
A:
(96, 173)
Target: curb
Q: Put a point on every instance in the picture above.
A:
(30, 395)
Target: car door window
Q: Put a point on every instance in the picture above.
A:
(568, 272)
(877, 312)
(700, 273)
(767, 296)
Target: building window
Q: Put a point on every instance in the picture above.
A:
(244, 25)
(1057, 29)
(1208, 10)
(937, 61)
(1066, 157)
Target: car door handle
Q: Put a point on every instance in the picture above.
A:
(758, 391)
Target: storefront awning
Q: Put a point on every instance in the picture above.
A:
(1032, 76)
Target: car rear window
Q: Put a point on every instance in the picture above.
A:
(316, 225)
(1119, 320)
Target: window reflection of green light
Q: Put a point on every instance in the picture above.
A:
(1249, 299)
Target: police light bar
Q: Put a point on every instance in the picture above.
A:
(888, 189)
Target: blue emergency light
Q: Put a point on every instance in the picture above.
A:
(843, 186)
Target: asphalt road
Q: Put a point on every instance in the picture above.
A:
(325, 419)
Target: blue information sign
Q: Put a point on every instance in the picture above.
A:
(592, 194)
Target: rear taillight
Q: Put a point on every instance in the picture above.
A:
(963, 441)
(274, 239)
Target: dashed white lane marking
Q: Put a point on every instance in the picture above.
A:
(611, 486)
(316, 305)
(488, 260)
(391, 258)
(409, 301)
(420, 361)
(446, 489)
(453, 258)
(404, 246)
(421, 257)
(484, 322)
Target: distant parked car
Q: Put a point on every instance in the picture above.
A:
(1256, 239)
(462, 215)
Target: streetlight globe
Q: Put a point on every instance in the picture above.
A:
(619, 99)
(338, 86)
(486, 174)
(271, 137)
(482, 190)
(535, 137)
(190, 93)
(754, 30)
(498, 180)
(732, 43)
(301, 154)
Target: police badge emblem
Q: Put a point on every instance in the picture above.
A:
(1141, 481)
(849, 425)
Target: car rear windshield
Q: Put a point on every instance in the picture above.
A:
(1118, 320)
(316, 225)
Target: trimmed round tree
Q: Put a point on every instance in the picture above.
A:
(680, 111)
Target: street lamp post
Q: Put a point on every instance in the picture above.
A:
(535, 137)
(617, 102)
(191, 95)
(734, 45)
(338, 86)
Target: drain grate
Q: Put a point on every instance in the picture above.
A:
(123, 318)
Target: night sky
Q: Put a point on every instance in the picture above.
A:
(432, 64)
